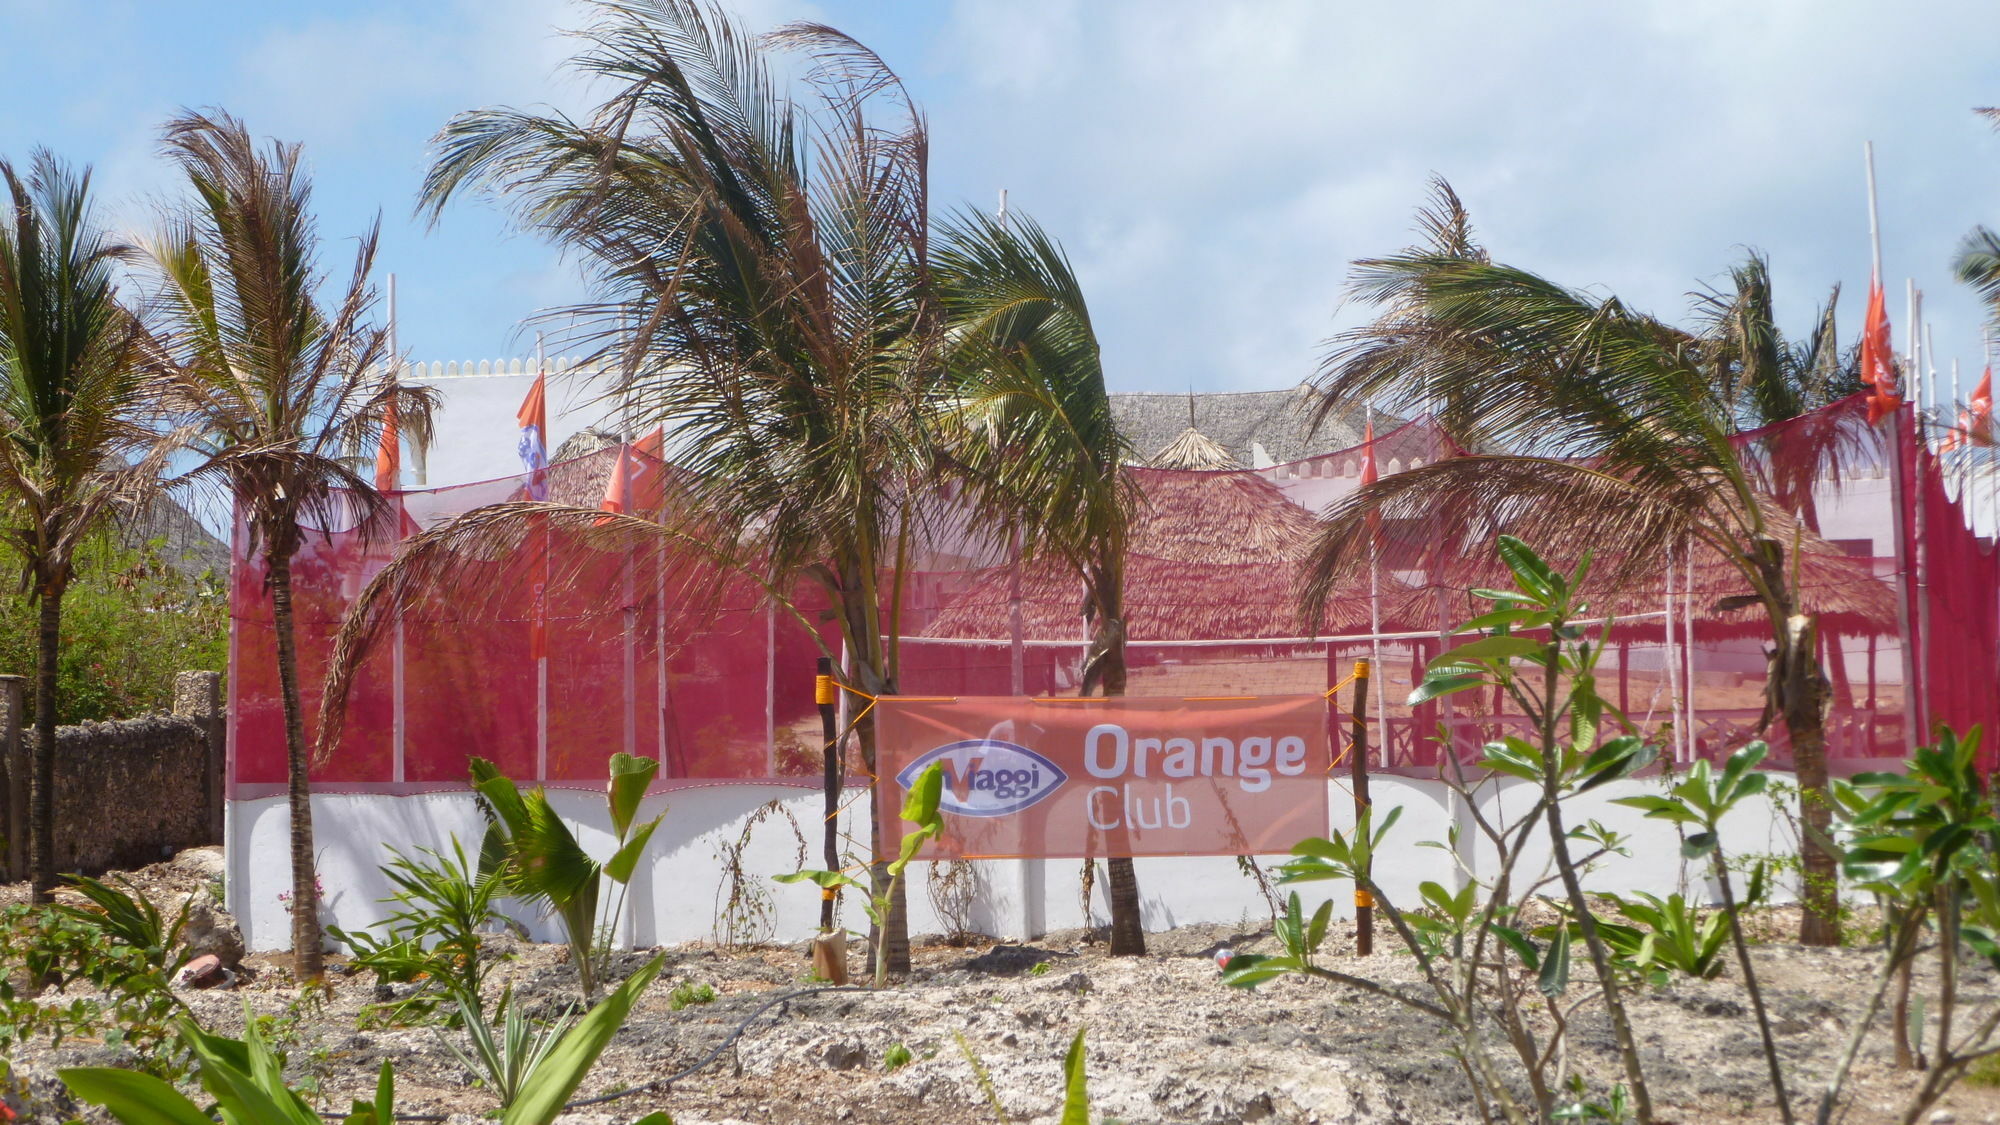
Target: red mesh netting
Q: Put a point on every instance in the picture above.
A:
(714, 681)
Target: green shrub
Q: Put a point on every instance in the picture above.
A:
(687, 993)
(136, 1011)
(432, 938)
(131, 622)
(896, 1057)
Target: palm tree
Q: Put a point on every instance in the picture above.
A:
(280, 391)
(762, 267)
(1977, 262)
(1034, 425)
(75, 446)
(1627, 428)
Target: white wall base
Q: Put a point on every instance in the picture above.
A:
(674, 896)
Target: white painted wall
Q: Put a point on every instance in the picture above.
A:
(673, 898)
(475, 431)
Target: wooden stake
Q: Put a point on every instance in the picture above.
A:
(830, 956)
(826, 695)
(1364, 902)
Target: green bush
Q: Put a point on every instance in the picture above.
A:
(131, 621)
(687, 993)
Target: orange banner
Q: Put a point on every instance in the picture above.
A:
(1109, 777)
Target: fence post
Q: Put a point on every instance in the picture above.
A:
(198, 696)
(14, 765)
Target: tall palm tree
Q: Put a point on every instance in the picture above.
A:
(1034, 425)
(764, 286)
(278, 390)
(1626, 426)
(75, 444)
(1977, 261)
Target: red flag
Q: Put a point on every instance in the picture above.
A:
(649, 471)
(1878, 365)
(1975, 422)
(388, 455)
(618, 490)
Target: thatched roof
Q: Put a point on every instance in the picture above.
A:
(1239, 421)
(1192, 450)
(1213, 556)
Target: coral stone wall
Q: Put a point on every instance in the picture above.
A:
(130, 793)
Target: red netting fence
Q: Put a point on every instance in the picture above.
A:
(626, 652)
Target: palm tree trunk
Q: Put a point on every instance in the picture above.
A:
(1802, 696)
(41, 768)
(1121, 879)
(306, 939)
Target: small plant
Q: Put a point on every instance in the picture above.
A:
(687, 993)
(134, 1007)
(507, 1060)
(920, 811)
(433, 938)
(743, 914)
(954, 887)
(1040, 968)
(896, 1058)
(130, 918)
(533, 854)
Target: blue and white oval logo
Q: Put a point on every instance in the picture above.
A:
(987, 777)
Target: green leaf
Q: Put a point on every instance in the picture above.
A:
(626, 859)
(657, 1117)
(131, 1097)
(541, 1098)
(1248, 970)
(1504, 618)
(1434, 686)
(1698, 844)
(920, 805)
(1535, 576)
(1522, 947)
(1495, 649)
(822, 878)
(1316, 930)
(630, 778)
(1554, 975)
(1076, 1098)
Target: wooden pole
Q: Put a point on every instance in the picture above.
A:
(827, 696)
(1364, 902)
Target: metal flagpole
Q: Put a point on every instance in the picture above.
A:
(542, 660)
(1017, 666)
(1897, 487)
(398, 767)
(1375, 615)
(1920, 357)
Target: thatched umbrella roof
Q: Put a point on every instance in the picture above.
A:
(1213, 556)
(1193, 449)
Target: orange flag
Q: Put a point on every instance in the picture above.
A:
(618, 490)
(1878, 365)
(1975, 422)
(388, 455)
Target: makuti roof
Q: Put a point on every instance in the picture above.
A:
(1280, 421)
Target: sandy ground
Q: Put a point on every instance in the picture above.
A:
(1168, 1042)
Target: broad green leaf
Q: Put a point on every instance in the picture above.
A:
(1316, 931)
(630, 777)
(1497, 648)
(541, 1098)
(822, 878)
(920, 805)
(1435, 686)
(131, 1097)
(1535, 576)
(621, 865)
(1698, 844)
(1076, 1098)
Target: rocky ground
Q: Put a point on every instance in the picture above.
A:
(1167, 1042)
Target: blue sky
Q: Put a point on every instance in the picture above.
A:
(1211, 167)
